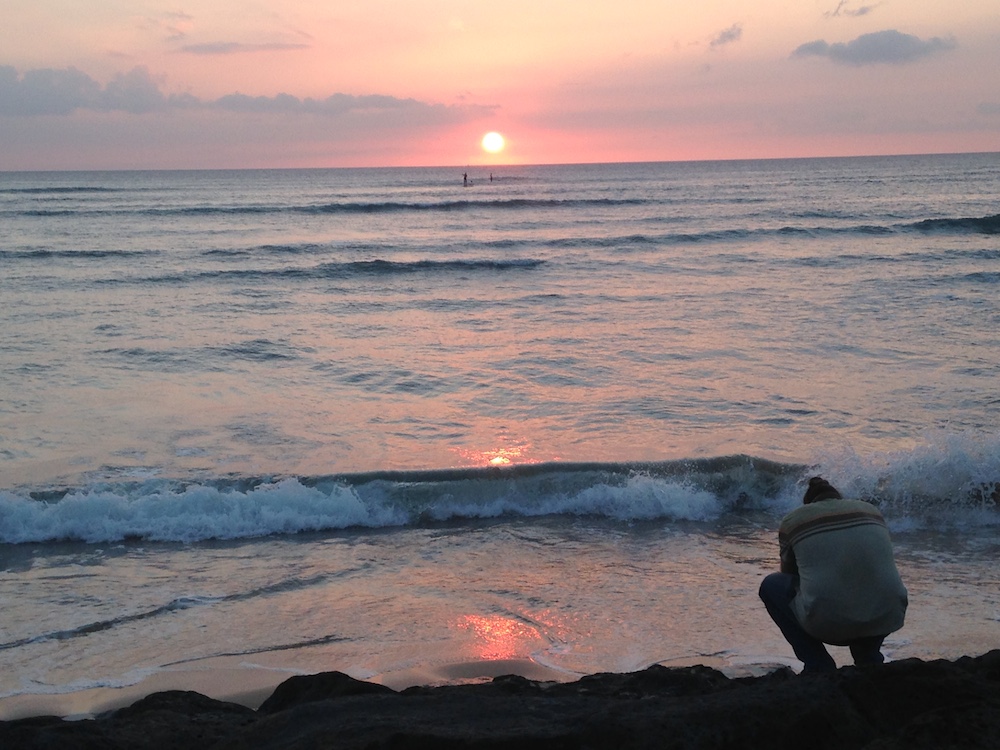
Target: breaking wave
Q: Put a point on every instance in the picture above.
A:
(956, 480)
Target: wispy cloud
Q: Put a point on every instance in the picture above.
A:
(880, 47)
(728, 36)
(337, 104)
(239, 48)
(172, 25)
(842, 9)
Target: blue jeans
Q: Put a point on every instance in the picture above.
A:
(777, 591)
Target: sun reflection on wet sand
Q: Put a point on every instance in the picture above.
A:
(498, 637)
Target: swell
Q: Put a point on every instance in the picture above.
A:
(973, 225)
(509, 204)
(347, 207)
(989, 224)
(50, 254)
(63, 190)
(352, 269)
(985, 225)
(215, 358)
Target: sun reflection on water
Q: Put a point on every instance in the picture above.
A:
(503, 455)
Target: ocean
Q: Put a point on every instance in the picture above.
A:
(264, 423)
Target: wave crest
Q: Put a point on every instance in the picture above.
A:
(952, 480)
(974, 225)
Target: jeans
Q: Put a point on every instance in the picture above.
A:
(777, 591)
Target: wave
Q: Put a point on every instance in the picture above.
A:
(988, 225)
(178, 605)
(614, 241)
(99, 625)
(162, 510)
(941, 484)
(386, 267)
(976, 225)
(340, 270)
(50, 254)
(45, 213)
(209, 357)
(392, 207)
(61, 190)
(465, 205)
(984, 225)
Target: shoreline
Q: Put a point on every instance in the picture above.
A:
(909, 704)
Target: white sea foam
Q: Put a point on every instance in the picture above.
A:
(950, 479)
(640, 497)
(197, 512)
(644, 498)
(288, 507)
(30, 686)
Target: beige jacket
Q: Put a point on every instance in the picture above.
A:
(848, 583)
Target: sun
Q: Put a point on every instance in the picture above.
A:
(493, 142)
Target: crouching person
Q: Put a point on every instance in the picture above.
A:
(838, 583)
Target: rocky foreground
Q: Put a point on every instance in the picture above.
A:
(907, 704)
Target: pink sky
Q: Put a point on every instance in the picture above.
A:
(124, 84)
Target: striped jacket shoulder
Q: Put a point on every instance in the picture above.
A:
(833, 518)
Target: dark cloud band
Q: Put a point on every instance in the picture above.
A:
(62, 92)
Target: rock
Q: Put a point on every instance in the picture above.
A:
(168, 720)
(308, 688)
(908, 704)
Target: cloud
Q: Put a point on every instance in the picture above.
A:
(238, 48)
(378, 106)
(174, 24)
(989, 108)
(136, 92)
(843, 10)
(337, 104)
(730, 35)
(63, 92)
(890, 46)
(46, 92)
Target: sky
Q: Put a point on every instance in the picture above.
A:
(165, 84)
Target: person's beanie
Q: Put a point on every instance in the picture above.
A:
(819, 489)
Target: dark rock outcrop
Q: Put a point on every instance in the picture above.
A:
(173, 719)
(908, 704)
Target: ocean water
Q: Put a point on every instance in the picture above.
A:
(372, 420)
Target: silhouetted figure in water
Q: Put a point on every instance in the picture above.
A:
(465, 179)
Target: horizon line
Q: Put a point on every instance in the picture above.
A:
(507, 166)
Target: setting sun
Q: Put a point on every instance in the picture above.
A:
(493, 142)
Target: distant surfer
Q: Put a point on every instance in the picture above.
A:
(838, 583)
(465, 179)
